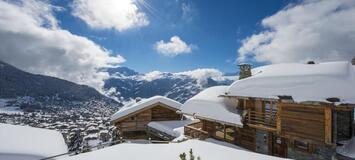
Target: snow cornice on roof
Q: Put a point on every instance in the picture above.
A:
(134, 107)
(209, 106)
(321, 83)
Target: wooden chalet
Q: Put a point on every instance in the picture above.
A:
(132, 119)
(299, 111)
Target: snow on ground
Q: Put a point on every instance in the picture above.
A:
(211, 140)
(304, 82)
(348, 149)
(173, 128)
(208, 105)
(27, 143)
(11, 110)
(3, 102)
(205, 150)
(8, 109)
(94, 142)
(136, 106)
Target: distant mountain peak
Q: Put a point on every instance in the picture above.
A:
(121, 71)
(178, 86)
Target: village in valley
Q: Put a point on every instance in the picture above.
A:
(83, 125)
(177, 80)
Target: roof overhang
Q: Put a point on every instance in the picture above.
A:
(212, 120)
(141, 110)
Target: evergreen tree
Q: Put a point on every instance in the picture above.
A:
(182, 156)
(192, 157)
(191, 154)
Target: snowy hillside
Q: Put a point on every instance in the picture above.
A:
(126, 84)
(17, 83)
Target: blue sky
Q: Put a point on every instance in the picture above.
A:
(73, 39)
(215, 28)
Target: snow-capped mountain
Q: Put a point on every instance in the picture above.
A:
(15, 83)
(125, 84)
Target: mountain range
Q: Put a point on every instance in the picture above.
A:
(125, 84)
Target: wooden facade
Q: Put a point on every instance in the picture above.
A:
(134, 125)
(283, 128)
(208, 129)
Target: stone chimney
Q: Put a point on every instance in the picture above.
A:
(353, 61)
(138, 99)
(311, 62)
(245, 70)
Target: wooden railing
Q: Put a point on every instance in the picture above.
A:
(193, 132)
(266, 120)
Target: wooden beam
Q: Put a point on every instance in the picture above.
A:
(278, 118)
(262, 127)
(328, 124)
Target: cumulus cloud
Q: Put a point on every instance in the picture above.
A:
(311, 30)
(32, 41)
(110, 14)
(203, 74)
(151, 76)
(175, 47)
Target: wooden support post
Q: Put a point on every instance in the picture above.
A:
(328, 124)
(248, 115)
(244, 104)
(278, 119)
(271, 115)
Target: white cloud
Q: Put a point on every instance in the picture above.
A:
(106, 14)
(173, 48)
(31, 40)
(202, 75)
(311, 30)
(151, 76)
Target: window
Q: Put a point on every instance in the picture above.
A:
(219, 131)
(270, 107)
(230, 134)
(225, 133)
(132, 118)
(241, 104)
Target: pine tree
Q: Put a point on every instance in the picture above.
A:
(192, 157)
(191, 154)
(182, 156)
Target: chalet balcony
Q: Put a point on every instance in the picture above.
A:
(262, 120)
(194, 130)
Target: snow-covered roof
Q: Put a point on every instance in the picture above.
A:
(143, 104)
(24, 142)
(304, 82)
(205, 150)
(209, 105)
(173, 128)
(348, 149)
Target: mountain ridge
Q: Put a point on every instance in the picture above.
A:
(17, 83)
(178, 86)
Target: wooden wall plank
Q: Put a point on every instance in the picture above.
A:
(328, 124)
